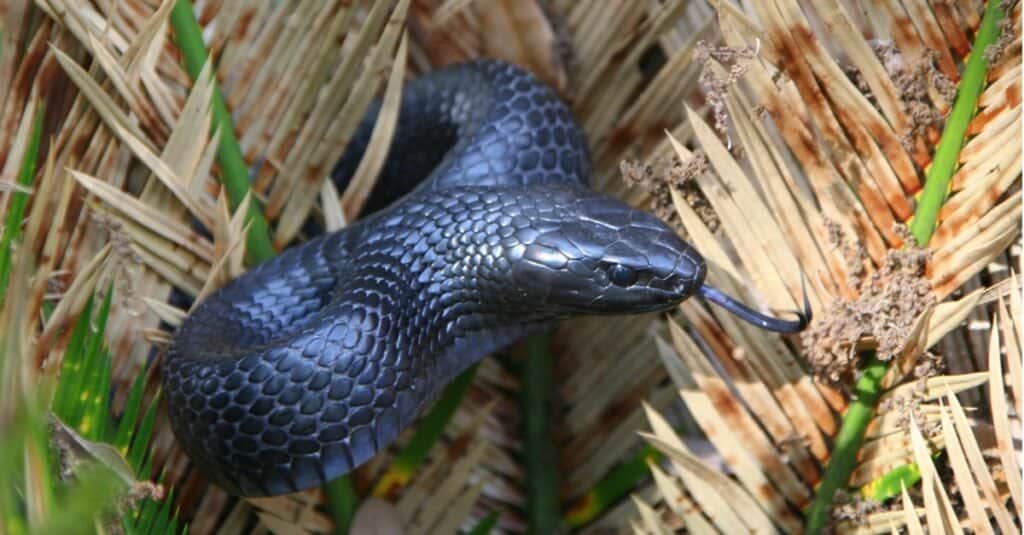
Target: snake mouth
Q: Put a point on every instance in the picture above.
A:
(637, 300)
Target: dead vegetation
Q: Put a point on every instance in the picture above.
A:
(749, 134)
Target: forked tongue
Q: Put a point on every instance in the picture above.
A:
(716, 296)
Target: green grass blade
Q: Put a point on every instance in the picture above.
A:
(617, 484)
(95, 340)
(92, 374)
(139, 450)
(148, 514)
(94, 397)
(486, 525)
(13, 442)
(19, 200)
(163, 516)
(147, 465)
(172, 526)
(891, 483)
(234, 174)
(46, 311)
(342, 502)
(132, 407)
(82, 400)
(71, 368)
(128, 525)
(96, 415)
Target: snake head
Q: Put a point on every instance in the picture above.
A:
(600, 256)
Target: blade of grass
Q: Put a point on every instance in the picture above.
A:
(618, 483)
(539, 456)
(126, 427)
(234, 174)
(888, 486)
(97, 415)
(173, 527)
(485, 526)
(40, 486)
(342, 502)
(84, 391)
(96, 393)
(20, 435)
(87, 392)
(922, 226)
(71, 366)
(19, 199)
(163, 516)
(148, 515)
(137, 452)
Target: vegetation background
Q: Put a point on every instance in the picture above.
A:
(869, 149)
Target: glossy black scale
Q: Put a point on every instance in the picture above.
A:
(482, 230)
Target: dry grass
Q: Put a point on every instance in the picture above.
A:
(796, 128)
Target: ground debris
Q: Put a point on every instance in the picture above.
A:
(124, 259)
(994, 52)
(914, 80)
(907, 406)
(853, 507)
(890, 299)
(737, 61)
(668, 173)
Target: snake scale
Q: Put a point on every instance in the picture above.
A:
(481, 230)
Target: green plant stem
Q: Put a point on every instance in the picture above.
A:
(539, 457)
(234, 173)
(944, 164)
(848, 442)
(947, 153)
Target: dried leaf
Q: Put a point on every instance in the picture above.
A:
(72, 444)
(964, 481)
(365, 177)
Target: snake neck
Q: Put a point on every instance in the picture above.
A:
(440, 268)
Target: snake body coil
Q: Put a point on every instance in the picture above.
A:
(306, 366)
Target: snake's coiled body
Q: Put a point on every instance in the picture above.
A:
(306, 366)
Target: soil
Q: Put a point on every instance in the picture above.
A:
(659, 179)
(882, 316)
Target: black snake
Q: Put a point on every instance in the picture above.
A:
(482, 231)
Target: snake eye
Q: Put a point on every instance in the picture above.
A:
(621, 275)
